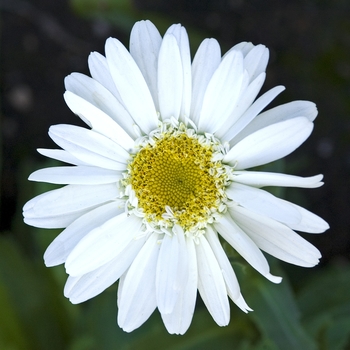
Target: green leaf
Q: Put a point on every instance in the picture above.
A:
(32, 306)
(325, 303)
(12, 332)
(123, 14)
(276, 313)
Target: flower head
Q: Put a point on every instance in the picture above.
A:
(159, 179)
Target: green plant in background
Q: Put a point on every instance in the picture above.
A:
(310, 314)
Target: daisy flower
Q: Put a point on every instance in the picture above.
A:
(160, 179)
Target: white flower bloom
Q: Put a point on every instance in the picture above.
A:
(160, 177)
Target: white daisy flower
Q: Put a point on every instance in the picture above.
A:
(160, 179)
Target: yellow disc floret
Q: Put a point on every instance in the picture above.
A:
(176, 172)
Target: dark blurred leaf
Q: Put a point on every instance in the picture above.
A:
(12, 333)
(276, 313)
(325, 301)
(123, 14)
(33, 309)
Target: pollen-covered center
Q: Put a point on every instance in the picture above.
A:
(177, 171)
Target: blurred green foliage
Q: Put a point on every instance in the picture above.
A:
(123, 14)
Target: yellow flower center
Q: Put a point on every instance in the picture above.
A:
(177, 171)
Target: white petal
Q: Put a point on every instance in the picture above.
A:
(131, 85)
(256, 60)
(247, 97)
(61, 155)
(102, 244)
(170, 78)
(95, 282)
(262, 179)
(222, 93)
(230, 278)
(239, 240)
(277, 114)
(69, 199)
(276, 238)
(77, 175)
(96, 94)
(145, 42)
(205, 63)
(54, 221)
(98, 120)
(180, 319)
(252, 112)
(172, 273)
(181, 36)
(241, 303)
(211, 284)
(99, 71)
(264, 203)
(244, 47)
(136, 292)
(309, 222)
(270, 143)
(89, 146)
(59, 249)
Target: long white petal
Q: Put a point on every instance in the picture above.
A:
(205, 63)
(252, 112)
(99, 71)
(181, 36)
(170, 78)
(277, 114)
(69, 199)
(59, 249)
(145, 42)
(211, 284)
(95, 282)
(76, 175)
(264, 203)
(222, 93)
(310, 222)
(93, 92)
(244, 47)
(102, 244)
(61, 155)
(172, 273)
(180, 319)
(247, 97)
(244, 245)
(276, 238)
(136, 292)
(52, 221)
(270, 143)
(278, 209)
(89, 146)
(256, 60)
(98, 120)
(229, 275)
(230, 278)
(262, 179)
(131, 85)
